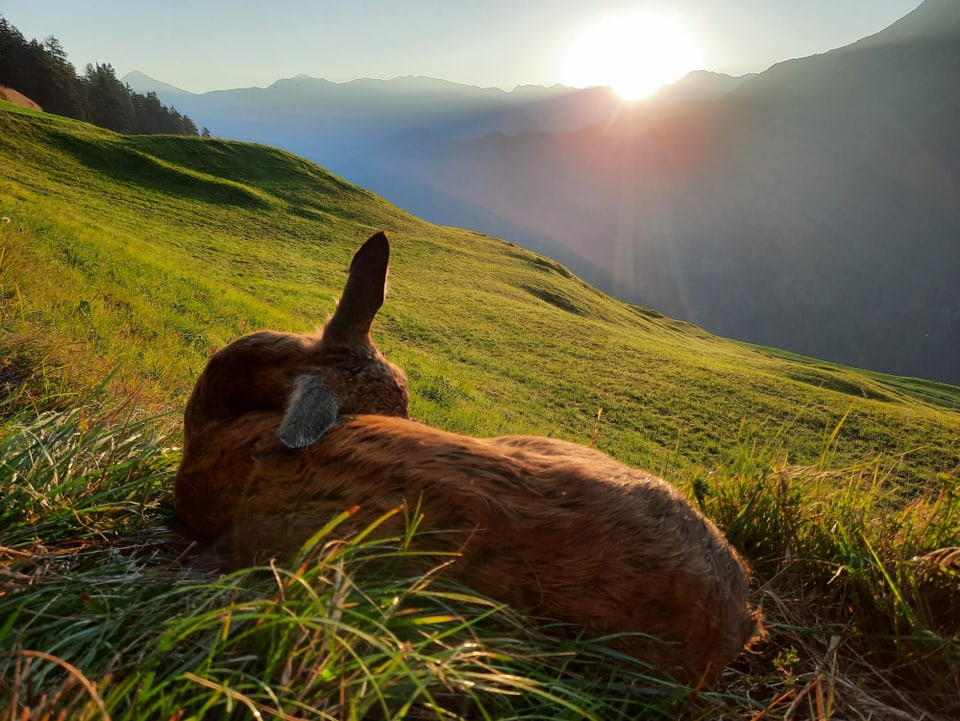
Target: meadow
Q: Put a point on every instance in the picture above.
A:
(127, 260)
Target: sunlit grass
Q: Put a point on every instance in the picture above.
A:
(861, 579)
(839, 486)
(140, 272)
(110, 612)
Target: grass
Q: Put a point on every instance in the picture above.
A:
(141, 268)
(130, 259)
(111, 613)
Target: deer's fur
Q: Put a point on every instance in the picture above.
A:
(280, 437)
(317, 376)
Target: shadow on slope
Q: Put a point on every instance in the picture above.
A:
(130, 166)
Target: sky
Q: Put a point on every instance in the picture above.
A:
(203, 45)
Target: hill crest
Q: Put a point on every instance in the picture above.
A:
(149, 251)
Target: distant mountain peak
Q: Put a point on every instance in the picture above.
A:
(142, 83)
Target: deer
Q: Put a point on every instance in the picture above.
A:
(283, 432)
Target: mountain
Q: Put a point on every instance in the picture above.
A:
(143, 84)
(814, 207)
(135, 256)
(701, 85)
(932, 20)
(375, 132)
(333, 123)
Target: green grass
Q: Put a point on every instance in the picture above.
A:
(143, 254)
(130, 259)
(108, 613)
(111, 613)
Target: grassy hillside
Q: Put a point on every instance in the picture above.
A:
(128, 260)
(149, 252)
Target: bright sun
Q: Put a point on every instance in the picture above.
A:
(635, 53)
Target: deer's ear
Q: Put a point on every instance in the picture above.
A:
(311, 410)
(364, 292)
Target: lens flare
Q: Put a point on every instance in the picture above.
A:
(634, 53)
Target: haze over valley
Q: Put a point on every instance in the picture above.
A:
(813, 207)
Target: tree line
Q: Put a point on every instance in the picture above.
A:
(41, 71)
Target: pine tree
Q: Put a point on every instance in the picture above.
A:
(42, 72)
(109, 100)
(61, 92)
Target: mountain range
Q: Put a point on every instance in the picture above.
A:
(813, 207)
(127, 260)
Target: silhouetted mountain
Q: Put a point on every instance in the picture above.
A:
(333, 123)
(815, 207)
(932, 20)
(701, 85)
(141, 83)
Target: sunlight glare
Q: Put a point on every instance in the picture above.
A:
(635, 53)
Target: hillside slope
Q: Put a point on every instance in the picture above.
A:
(12, 96)
(149, 252)
(815, 207)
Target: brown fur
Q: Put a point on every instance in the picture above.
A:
(553, 528)
(258, 372)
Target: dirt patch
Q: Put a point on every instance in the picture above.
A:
(17, 98)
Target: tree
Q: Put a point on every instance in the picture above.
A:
(109, 100)
(150, 114)
(11, 43)
(187, 126)
(61, 91)
(42, 72)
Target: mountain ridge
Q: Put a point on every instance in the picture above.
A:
(811, 208)
(841, 154)
(930, 19)
(149, 251)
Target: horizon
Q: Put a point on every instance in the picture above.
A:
(298, 76)
(495, 46)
